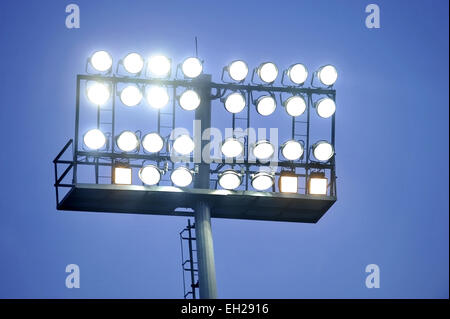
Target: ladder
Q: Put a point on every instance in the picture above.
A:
(189, 264)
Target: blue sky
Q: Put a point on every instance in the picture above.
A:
(391, 150)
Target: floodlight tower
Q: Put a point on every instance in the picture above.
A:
(241, 184)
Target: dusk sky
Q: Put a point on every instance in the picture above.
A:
(392, 150)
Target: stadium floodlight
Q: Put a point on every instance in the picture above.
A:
(288, 182)
(323, 151)
(101, 61)
(94, 139)
(150, 174)
(127, 141)
(183, 144)
(131, 95)
(327, 74)
(262, 181)
(232, 147)
(181, 176)
(298, 73)
(325, 107)
(268, 72)
(189, 100)
(98, 93)
(192, 67)
(122, 175)
(235, 102)
(157, 96)
(292, 150)
(265, 105)
(238, 70)
(263, 150)
(230, 179)
(295, 105)
(159, 66)
(133, 63)
(318, 184)
(152, 143)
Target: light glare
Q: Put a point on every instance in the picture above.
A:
(318, 186)
(122, 175)
(238, 70)
(192, 67)
(98, 93)
(150, 175)
(263, 150)
(288, 183)
(181, 177)
(235, 102)
(232, 148)
(159, 65)
(323, 151)
(292, 150)
(131, 95)
(127, 141)
(266, 105)
(295, 105)
(183, 145)
(262, 181)
(133, 63)
(157, 97)
(94, 139)
(325, 107)
(101, 61)
(268, 72)
(327, 75)
(189, 100)
(152, 143)
(298, 73)
(230, 179)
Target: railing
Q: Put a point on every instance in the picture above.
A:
(59, 178)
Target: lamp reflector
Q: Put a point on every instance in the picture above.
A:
(122, 175)
(325, 107)
(235, 102)
(327, 74)
(157, 96)
(181, 177)
(262, 181)
(238, 70)
(133, 63)
(295, 105)
(127, 141)
(150, 175)
(192, 67)
(268, 72)
(131, 95)
(230, 179)
(189, 100)
(183, 145)
(265, 105)
(101, 61)
(263, 150)
(232, 147)
(323, 151)
(298, 73)
(152, 143)
(94, 139)
(292, 150)
(159, 65)
(98, 93)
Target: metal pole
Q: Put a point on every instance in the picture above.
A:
(205, 250)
